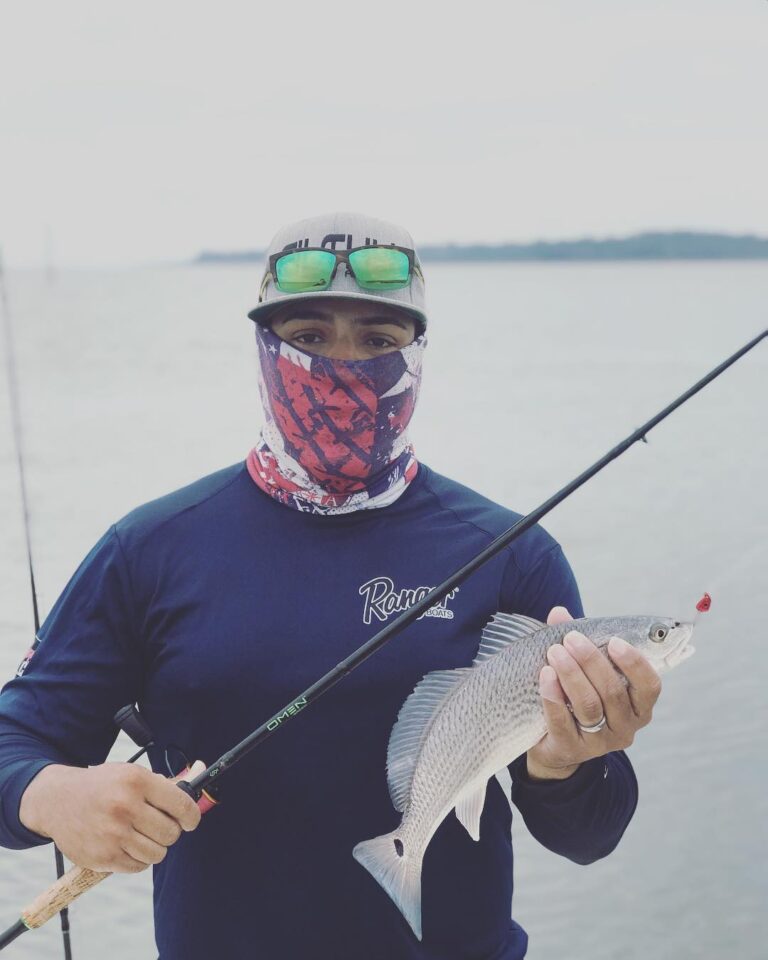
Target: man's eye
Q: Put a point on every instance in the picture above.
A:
(307, 338)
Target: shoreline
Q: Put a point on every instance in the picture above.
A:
(643, 247)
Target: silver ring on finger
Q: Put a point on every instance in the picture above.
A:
(595, 728)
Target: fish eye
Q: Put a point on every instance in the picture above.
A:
(658, 632)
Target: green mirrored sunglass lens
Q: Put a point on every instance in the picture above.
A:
(304, 270)
(380, 268)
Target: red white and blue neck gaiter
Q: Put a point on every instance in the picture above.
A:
(335, 436)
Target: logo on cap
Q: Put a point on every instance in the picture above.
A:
(330, 241)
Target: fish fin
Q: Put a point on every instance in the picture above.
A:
(505, 781)
(503, 629)
(411, 728)
(470, 807)
(398, 873)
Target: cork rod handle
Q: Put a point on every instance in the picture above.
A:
(80, 879)
(60, 895)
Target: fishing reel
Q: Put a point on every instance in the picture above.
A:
(133, 724)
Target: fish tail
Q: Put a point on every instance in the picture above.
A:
(389, 863)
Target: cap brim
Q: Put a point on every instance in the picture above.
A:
(262, 312)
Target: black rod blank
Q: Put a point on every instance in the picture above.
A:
(195, 787)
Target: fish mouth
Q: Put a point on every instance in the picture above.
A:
(683, 649)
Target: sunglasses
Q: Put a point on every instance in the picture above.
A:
(313, 268)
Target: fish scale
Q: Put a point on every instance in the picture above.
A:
(461, 727)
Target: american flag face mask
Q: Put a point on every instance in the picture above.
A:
(335, 438)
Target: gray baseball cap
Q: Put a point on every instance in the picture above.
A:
(342, 231)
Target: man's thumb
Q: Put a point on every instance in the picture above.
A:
(189, 773)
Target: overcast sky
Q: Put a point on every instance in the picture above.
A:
(148, 131)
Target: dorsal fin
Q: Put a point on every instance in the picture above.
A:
(411, 728)
(503, 629)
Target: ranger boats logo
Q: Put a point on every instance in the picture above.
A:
(382, 600)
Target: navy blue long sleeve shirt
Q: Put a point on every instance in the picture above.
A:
(214, 606)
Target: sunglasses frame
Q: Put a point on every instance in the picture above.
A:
(342, 256)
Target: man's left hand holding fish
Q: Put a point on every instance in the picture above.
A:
(580, 688)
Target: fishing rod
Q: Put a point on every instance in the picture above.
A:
(80, 879)
(13, 389)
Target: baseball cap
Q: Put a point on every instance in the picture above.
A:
(342, 231)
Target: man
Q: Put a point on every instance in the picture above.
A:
(215, 605)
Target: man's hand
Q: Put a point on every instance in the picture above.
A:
(112, 818)
(580, 675)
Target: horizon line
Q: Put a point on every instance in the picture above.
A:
(645, 245)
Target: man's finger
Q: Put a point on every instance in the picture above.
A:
(124, 863)
(549, 686)
(619, 711)
(585, 700)
(558, 615)
(156, 825)
(166, 796)
(644, 683)
(143, 849)
(557, 715)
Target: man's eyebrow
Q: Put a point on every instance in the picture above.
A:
(376, 321)
(299, 314)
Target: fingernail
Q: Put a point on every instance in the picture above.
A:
(548, 686)
(557, 653)
(577, 641)
(617, 645)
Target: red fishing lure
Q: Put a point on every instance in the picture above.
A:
(704, 604)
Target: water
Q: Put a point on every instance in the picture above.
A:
(135, 383)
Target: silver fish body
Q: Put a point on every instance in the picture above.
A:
(461, 727)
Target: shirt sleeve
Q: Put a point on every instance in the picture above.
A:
(85, 665)
(584, 816)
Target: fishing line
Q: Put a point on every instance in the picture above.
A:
(735, 567)
(13, 389)
(80, 879)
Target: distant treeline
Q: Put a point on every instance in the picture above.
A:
(640, 246)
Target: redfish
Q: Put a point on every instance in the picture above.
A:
(461, 727)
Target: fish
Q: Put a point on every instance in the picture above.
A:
(463, 726)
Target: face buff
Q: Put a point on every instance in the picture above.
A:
(335, 435)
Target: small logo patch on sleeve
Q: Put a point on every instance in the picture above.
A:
(27, 657)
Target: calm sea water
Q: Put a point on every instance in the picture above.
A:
(134, 383)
